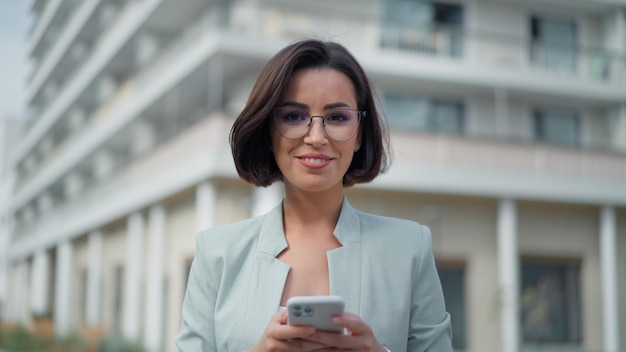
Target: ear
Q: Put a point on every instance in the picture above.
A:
(357, 145)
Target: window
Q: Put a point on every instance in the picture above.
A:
(553, 43)
(408, 112)
(423, 26)
(556, 126)
(550, 302)
(452, 278)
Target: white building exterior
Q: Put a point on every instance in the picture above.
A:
(507, 119)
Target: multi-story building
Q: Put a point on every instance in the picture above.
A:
(507, 118)
(10, 130)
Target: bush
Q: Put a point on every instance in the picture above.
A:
(18, 339)
(117, 343)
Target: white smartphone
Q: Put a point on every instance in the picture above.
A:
(316, 311)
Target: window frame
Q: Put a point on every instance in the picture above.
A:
(432, 119)
(574, 334)
(459, 324)
(540, 117)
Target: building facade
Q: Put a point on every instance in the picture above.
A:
(508, 127)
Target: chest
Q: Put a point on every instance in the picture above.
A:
(309, 272)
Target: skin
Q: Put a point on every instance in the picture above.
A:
(313, 168)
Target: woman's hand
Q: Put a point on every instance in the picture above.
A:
(359, 337)
(278, 336)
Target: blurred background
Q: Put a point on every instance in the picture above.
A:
(508, 126)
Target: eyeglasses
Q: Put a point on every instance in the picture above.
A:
(339, 124)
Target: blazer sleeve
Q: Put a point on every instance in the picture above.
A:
(429, 327)
(197, 332)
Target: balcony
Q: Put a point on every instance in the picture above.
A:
(483, 167)
(196, 154)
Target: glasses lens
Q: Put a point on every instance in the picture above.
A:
(291, 123)
(341, 124)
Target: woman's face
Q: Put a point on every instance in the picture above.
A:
(315, 162)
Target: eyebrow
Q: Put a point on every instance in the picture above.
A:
(306, 107)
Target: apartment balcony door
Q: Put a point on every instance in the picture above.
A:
(425, 27)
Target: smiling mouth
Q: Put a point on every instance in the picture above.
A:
(315, 160)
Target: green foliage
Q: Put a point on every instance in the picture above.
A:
(116, 343)
(18, 339)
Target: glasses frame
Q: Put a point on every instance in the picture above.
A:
(360, 113)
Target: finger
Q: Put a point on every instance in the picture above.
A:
(279, 329)
(353, 323)
(281, 316)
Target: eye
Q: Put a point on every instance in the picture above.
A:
(340, 116)
(292, 116)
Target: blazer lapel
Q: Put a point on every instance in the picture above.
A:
(344, 263)
(268, 274)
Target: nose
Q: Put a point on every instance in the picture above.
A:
(316, 135)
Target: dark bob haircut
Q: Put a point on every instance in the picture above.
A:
(250, 133)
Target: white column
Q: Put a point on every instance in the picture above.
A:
(40, 282)
(133, 276)
(265, 199)
(63, 292)
(9, 310)
(94, 279)
(105, 87)
(206, 205)
(21, 293)
(144, 137)
(608, 265)
(147, 48)
(508, 275)
(154, 276)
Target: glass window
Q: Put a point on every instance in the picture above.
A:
(556, 126)
(415, 113)
(423, 26)
(553, 43)
(550, 302)
(453, 283)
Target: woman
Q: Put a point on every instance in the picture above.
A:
(311, 122)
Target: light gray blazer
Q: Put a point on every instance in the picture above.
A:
(384, 269)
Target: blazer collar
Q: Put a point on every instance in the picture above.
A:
(272, 239)
(344, 263)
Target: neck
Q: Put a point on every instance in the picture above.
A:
(306, 211)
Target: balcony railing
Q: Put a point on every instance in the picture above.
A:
(518, 157)
(432, 40)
